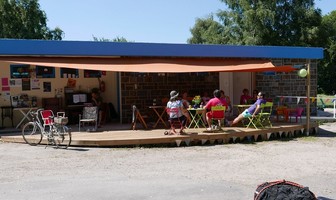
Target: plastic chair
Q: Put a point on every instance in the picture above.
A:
(217, 114)
(89, 116)
(281, 112)
(297, 113)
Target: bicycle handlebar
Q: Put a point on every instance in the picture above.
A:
(35, 113)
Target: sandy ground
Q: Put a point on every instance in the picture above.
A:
(229, 171)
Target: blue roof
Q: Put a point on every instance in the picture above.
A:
(10, 47)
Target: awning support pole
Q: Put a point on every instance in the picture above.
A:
(308, 99)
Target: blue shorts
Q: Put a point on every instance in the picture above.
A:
(246, 114)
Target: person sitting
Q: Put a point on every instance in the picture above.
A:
(186, 105)
(205, 98)
(174, 102)
(254, 97)
(215, 101)
(245, 97)
(252, 111)
(228, 101)
(97, 100)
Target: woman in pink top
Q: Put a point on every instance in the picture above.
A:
(245, 97)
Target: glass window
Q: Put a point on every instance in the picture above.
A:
(69, 73)
(92, 73)
(20, 71)
(45, 72)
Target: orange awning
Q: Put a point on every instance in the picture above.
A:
(144, 64)
(151, 65)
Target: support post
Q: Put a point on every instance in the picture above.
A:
(308, 99)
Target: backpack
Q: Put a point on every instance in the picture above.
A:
(282, 189)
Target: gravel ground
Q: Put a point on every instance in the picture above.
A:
(230, 171)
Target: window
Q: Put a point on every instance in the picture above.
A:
(20, 71)
(92, 73)
(69, 73)
(45, 72)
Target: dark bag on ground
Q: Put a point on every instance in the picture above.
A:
(282, 189)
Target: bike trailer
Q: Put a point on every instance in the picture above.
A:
(282, 189)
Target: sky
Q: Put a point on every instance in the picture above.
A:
(154, 21)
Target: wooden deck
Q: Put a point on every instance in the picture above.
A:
(114, 138)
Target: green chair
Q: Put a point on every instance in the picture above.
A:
(262, 119)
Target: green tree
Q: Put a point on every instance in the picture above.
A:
(327, 68)
(23, 19)
(266, 22)
(207, 31)
(117, 39)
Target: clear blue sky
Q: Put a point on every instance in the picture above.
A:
(157, 21)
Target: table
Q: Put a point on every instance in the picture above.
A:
(25, 113)
(196, 115)
(243, 107)
(159, 115)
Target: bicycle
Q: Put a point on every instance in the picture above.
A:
(53, 128)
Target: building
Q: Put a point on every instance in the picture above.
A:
(137, 73)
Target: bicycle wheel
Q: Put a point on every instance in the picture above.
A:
(62, 137)
(32, 133)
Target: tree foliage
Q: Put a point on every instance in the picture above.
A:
(207, 31)
(274, 23)
(117, 39)
(23, 19)
(327, 68)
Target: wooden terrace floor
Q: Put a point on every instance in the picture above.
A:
(113, 137)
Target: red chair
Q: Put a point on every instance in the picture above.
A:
(47, 117)
(296, 113)
(217, 114)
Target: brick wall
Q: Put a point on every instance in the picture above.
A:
(141, 88)
(288, 84)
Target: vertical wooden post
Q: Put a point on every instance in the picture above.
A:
(308, 99)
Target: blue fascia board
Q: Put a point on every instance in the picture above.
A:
(10, 47)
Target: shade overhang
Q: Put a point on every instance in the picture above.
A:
(151, 65)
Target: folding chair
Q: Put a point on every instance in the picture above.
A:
(265, 114)
(89, 116)
(218, 114)
(263, 117)
(136, 116)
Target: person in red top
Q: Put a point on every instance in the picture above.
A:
(245, 97)
(215, 101)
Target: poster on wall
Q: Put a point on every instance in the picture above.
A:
(5, 96)
(46, 86)
(15, 82)
(35, 84)
(5, 85)
(25, 84)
